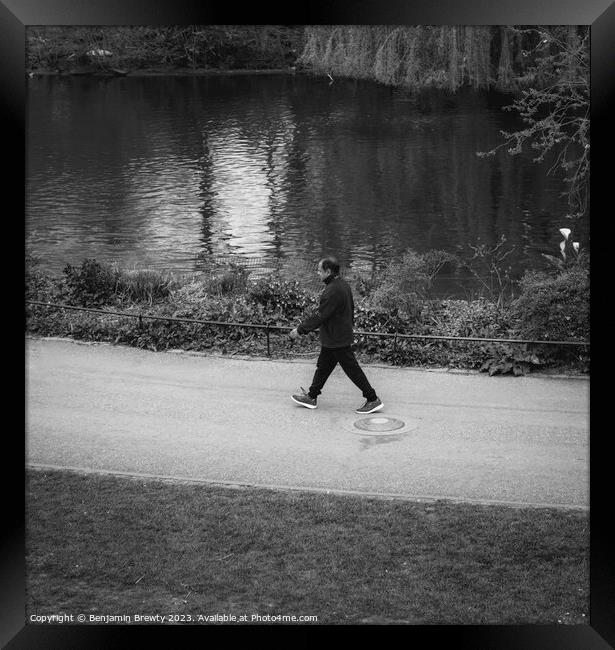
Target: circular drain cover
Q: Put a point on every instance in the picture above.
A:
(379, 424)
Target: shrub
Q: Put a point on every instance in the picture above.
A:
(39, 285)
(231, 280)
(397, 351)
(362, 285)
(143, 285)
(92, 284)
(504, 358)
(378, 320)
(553, 307)
(191, 300)
(406, 282)
(281, 299)
(195, 300)
(487, 265)
(479, 318)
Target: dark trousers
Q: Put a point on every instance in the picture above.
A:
(328, 359)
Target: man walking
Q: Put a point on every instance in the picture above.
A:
(334, 320)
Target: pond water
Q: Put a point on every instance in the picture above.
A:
(159, 171)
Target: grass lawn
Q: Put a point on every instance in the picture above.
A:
(100, 544)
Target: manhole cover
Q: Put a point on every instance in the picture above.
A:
(379, 425)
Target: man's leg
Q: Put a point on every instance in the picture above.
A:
(324, 367)
(351, 367)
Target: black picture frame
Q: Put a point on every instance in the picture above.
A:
(16, 15)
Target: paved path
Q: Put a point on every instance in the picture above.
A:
(521, 440)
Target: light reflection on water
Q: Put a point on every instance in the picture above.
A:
(157, 171)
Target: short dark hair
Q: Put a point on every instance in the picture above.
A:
(330, 262)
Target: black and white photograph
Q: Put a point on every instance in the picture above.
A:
(307, 327)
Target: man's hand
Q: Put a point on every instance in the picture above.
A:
(294, 334)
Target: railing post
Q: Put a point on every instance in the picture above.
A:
(268, 343)
(140, 321)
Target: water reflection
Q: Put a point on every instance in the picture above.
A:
(155, 171)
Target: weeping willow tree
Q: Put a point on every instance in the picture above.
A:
(416, 57)
(547, 68)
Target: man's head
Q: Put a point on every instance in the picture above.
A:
(328, 266)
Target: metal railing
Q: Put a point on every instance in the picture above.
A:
(281, 328)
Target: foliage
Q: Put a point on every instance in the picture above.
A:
(91, 284)
(509, 358)
(426, 56)
(406, 282)
(378, 320)
(39, 285)
(410, 56)
(95, 283)
(488, 267)
(190, 46)
(362, 285)
(556, 109)
(231, 280)
(143, 285)
(558, 308)
(194, 300)
(477, 318)
(480, 318)
(570, 253)
(282, 299)
(553, 307)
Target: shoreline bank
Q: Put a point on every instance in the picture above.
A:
(156, 72)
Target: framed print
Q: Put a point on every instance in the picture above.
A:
(223, 191)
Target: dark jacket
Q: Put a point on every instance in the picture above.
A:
(335, 315)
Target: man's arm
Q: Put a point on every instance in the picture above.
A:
(328, 304)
